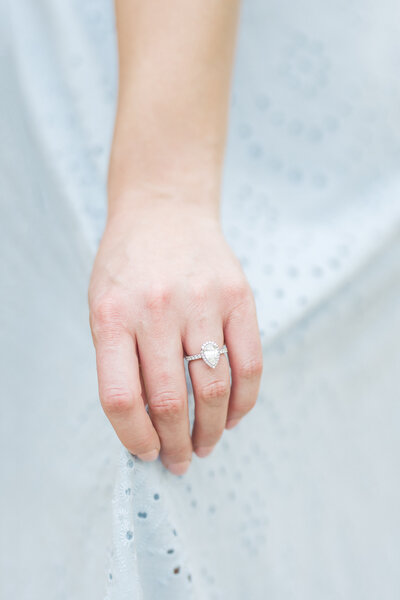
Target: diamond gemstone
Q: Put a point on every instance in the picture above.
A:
(210, 354)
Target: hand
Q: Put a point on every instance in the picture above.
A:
(165, 281)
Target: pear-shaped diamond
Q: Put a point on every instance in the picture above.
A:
(210, 354)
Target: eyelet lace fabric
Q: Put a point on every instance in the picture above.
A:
(301, 499)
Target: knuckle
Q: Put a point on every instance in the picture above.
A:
(106, 314)
(214, 391)
(167, 404)
(251, 368)
(116, 401)
(158, 298)
(238, 292)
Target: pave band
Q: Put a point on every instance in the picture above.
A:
(210, 353)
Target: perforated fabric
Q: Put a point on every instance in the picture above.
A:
(301, 499)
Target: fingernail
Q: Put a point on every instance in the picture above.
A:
(203, 451)
(231, 423)
(179, 468)
(149, 456)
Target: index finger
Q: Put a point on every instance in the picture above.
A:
(121, 394)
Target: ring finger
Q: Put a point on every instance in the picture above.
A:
(211, 388)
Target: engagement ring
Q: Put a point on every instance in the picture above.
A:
(210, 353)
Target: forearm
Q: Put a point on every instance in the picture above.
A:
(175, 63)
(165, 280)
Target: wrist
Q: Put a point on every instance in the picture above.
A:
(165, 155)
(172, 184)
(188, 171)
(155, 202)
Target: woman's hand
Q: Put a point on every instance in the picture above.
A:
(164, 282)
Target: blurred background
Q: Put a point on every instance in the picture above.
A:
(307, 489)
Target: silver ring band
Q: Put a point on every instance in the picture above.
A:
(210, 353)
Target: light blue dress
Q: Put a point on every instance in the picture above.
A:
(301, 500)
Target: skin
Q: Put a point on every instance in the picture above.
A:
(165, 280)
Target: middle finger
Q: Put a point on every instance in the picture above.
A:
(163, 373)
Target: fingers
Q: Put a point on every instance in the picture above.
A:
(119, 386)
(211, 387)
(123, 387)
(242, 338)
(161, 359)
